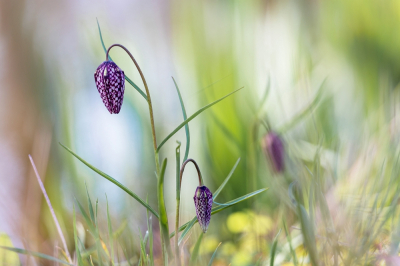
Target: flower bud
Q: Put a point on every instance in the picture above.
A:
(274, 149)
(110, 82)
(203, 201)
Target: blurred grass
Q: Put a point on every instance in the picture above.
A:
(338, 195)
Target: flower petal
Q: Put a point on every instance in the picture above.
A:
(100, 80)
(203, 201)
(115, 84)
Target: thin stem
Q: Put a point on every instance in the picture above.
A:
(197, 168)
(153, 129)
(178, 200)
(60, 233)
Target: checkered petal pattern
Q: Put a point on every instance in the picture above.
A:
(203, 201)
(110, 82)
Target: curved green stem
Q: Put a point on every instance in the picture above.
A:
(197, 168)
(153, 129)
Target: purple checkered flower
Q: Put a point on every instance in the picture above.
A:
(203, 201)
(110, 82)
(274, 149)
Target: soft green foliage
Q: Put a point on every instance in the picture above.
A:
(334, 102)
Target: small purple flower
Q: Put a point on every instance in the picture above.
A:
(274, 149)
(110, 82)
(203, 201)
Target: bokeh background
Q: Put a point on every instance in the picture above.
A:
(329, 69)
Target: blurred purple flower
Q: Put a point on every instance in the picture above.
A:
(274, 149)
(110, 82)
(203, 201)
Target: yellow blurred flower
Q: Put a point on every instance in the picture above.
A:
(228, 248)
(209, 245)
(237, 222)
(241, 258)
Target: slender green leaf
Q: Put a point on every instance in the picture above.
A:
(213, 256)
(299, 117)
(77, 251)
(90, 205)
(92, 228)
(186, 227)
(265, 95)
(189, 226)
(110, 233)
(120, 229)
(290, 244)
(161, 207)
(196, 250)
(273, 250)
(178, 199)
(87, 252)
(109, 58)
(142, 249)
(35, 254)
(150, 228)
(109, 178)
(178, 169)
(227, 133)
(216, 193)
(192, 117)
(184, 118)
(307, 229)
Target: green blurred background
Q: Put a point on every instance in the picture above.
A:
(330, 71)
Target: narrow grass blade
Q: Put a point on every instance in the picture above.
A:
(273, 250)
(91, 212)
(196, 249)
(77, 251)
(265, 95)
(109, 178)
(151, 258)
(192, 117)
(93, 229)
(178, 200)
(307, 229)
(60, 233)
(142, 250)
(227, 133)
(120, 229)
(109, 58)
(110, 234)
(216, 193)
(213, 256)
(290, 244)
(186, 227)
(35, 254)
(161, 208)
(189, 226)
(89, 223)
(184, 118)
(150, 230)
(299, 117)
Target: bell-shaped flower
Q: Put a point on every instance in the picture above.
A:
(203, 201)
(275, 151)
(110, 82)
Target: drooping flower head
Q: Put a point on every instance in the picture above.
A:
(274, 149)
(203, 201)
(110, 82)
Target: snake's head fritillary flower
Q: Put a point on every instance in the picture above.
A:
(274, 149)
(110, 82)
(203, 201)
